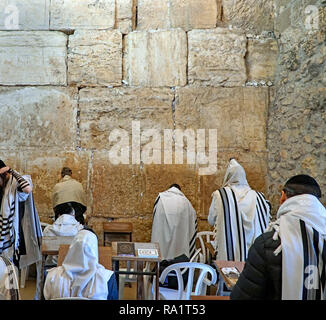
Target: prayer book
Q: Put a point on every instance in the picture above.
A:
(147, 253)
(126, 249)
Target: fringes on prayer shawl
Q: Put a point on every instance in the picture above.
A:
(275, 226)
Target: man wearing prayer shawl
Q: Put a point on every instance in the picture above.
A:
(238, 213)
(81, 275)
(20, 229)
(288, 261)
(65, 226)
(174, 224)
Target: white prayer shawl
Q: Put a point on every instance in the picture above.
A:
(65, 226)
(301, 226)
(9, 216)
(80, 275)
(242, 214)
(174, 224)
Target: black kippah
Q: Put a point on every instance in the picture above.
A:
(2, 164)
(302, 179)
(302, 184)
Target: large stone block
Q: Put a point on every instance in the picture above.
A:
(38, 118)
(33, 58)
(86, 14)
(186, 14)
(262, 59)
(24, 14)
(216, 58)
(238, 114)
(104, 110)
(116, 189)
(126, 15)
(156, 58)
(250, 15)
(95, 57)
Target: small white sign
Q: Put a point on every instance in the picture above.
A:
(150, 253)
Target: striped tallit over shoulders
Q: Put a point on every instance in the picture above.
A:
(239, 221)
(301, 226)
(9, 289)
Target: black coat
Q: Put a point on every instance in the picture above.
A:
(261, 277)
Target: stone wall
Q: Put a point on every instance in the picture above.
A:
(296, 128)
(74, 72)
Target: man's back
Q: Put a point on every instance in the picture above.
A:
(68, 190)
(174, 224)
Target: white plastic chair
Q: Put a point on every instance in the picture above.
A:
(185, 293)
(204, 253)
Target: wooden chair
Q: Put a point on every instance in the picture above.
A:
(104, 255)
(117, 232)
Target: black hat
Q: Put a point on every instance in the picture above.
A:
(2, 164)
(303, 183)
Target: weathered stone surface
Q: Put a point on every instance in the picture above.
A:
(261, 59)
(30, 117)
(238, 114)
(125, 15)
(103, 110)
(116, 189)
(24, 14)
(156, 58)
(86, 14)
(95, 57)
(249, 15)
(32, 58)
(186, 14)
(216, 58)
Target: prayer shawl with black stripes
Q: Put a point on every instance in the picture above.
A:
(9, 289)
(301, 226)
(174, 224)
(242, 214)
(15, 218)
(9, 217)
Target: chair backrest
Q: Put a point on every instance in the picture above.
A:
(192, 266)
(204, 236)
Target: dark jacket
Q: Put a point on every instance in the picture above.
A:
(261, 277)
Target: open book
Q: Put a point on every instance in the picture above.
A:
(232, 274)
